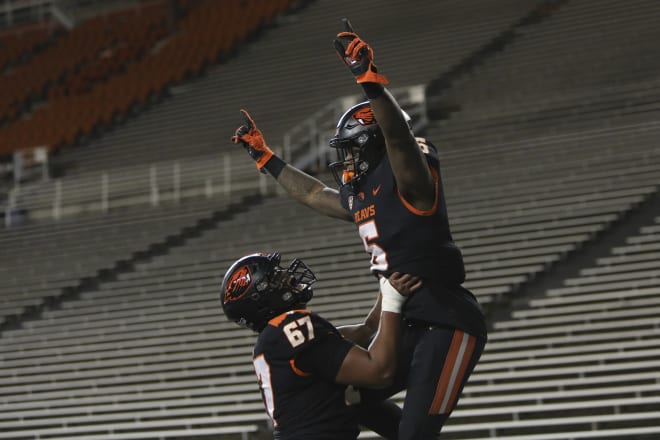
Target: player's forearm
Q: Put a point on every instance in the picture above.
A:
(299, 185)
(311, 192)
(392, 121)
(362, 333)
(383, 349)
(357, 333)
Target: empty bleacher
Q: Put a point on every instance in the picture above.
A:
(38, 261)
(587, 352)
(539, 84)
(163, 321)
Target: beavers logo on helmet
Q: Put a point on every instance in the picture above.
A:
(365, 116)
(238, 284)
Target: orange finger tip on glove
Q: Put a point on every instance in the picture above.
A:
(358, 56)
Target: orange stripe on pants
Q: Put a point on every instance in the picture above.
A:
(453, 372)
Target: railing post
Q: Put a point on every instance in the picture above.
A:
(153, 183)
(176, 184)
(104, 192)
(208, 187)
(11, 204)
(57, 200)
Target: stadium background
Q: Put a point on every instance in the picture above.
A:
(123, 201)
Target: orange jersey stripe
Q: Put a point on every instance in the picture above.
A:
(296, 370)
(427, 212)
(277, 320)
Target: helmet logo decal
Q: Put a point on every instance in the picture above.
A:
(238, 284)
(365, 116)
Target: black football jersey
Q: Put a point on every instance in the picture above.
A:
(401, 238)
(296, 359)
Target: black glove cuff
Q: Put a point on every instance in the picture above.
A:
(373, 90)
(274, 166)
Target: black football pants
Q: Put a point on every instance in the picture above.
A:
(434, 365)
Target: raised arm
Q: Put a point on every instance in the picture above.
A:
(299, 185)
(411, 171)
(312, 192)
(362, 333)
(375, 366)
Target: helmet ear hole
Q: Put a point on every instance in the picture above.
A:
(362, 139)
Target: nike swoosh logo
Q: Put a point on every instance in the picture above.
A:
(376, 190)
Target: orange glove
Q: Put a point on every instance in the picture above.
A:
(253, 141)
(358, 56)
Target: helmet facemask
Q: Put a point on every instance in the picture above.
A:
(292, 284)
(354, 160)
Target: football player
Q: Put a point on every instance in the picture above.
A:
(390, 186)
(302, 362)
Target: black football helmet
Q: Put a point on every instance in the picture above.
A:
(359, 142)
(256, 288)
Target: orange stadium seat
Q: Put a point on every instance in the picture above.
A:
(129, 70)
(17, 43)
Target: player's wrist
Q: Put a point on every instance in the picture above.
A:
(274, 165)
(392, 300)
(372, 90)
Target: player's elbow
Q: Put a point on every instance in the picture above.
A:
(388, 378)
(384, 376)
